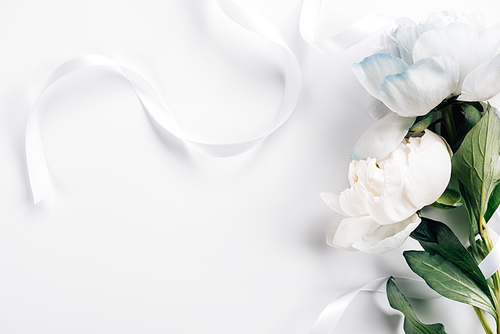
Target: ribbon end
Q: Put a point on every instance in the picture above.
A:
(41, 194)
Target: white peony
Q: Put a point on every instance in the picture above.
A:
(425, 64)
(380, 206)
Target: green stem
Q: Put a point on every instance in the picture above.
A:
(449, 124)
(483, 320)
(485, 235)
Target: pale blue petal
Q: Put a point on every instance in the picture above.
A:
(458, 41)
(376, 108)
(382, 137)
(389, 43)
(407, 36)
(483, 82)
(372, 70)
(425, 85)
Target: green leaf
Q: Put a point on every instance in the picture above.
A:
(437, 238)
(493, 203)
(474, 225)
(421, 123)
(412, 324)
(468, 204)
(447, 279)
(476, 162)
(449, 200)
(471, 117)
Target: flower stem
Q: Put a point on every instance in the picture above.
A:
(449, 124)
(485, 235)
(483, 320)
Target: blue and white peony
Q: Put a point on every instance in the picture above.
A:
(426, 64)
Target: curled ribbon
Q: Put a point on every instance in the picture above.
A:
(491, 263)
(412, 288)
(330, 316)
(349, 36)
(157, 108)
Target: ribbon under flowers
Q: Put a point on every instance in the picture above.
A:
(330, 316)
(491, 263)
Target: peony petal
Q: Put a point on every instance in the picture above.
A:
(407, 36)
(349, 230)
(458, 41)
(330, 235)
(429, 171)
(332, 200)
(475, 20)
(424, 86)
(352, 201)
(382, 137)
(389, 44)
(443, 17)
(376, 108)
(494, 101)
(392, 207)
(483, 82)
(388, 237)
(372, 70)
(489, 43)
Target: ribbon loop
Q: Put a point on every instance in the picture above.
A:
(349, 36)
(491, 263)
(330, 316)
(157, 108)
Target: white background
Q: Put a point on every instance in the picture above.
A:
(145, 234)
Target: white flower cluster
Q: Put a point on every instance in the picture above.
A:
(446, 59)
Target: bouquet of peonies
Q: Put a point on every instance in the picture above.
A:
(435, 142)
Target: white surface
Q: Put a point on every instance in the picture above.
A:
(147, 235)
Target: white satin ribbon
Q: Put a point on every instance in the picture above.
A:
(330, 316)
(491, 263)
(156, 107)
(349, 36)
(412, 288)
